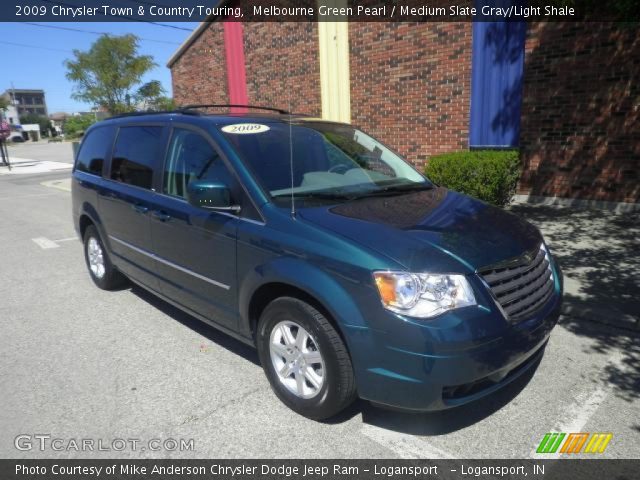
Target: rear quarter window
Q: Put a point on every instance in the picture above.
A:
(94, 150)
(136, 154)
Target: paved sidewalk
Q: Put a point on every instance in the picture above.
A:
(599, 252)
(42, 151)
(29, 166)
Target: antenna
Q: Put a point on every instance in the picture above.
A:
(293, 205)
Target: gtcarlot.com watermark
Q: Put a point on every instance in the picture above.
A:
(47, 442)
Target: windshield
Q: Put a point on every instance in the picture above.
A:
(330, 161)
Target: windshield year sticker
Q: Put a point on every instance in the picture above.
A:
(245, 128)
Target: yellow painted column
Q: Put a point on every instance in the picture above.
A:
(335, 85)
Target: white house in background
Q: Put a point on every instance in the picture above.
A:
(33, 129)
(11, 115)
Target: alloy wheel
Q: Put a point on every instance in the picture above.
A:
(96, 258)
(296, 359)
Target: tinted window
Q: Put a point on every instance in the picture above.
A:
(326, 157)
(135, 154)
(190, 157)
(94, 150)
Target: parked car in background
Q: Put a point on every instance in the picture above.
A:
(351, 273)
(16, 137)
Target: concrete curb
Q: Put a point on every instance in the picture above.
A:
(601, 315)
(617, 207)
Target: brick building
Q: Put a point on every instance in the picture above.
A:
(565, 94)
(27, 101)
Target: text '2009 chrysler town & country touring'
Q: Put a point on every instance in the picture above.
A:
(352, 274)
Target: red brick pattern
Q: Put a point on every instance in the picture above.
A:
(282, 64)
(199, 75)
(411, 85)
(580, 130)
(282, 67)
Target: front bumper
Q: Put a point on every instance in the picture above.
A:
(462, 357)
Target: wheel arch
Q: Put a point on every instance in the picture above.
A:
(269, 292)
(89, 216)
(83, 224)
(287, 277)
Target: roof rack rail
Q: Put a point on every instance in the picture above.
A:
(207, 105)
(139, 114)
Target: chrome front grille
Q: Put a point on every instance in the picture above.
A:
(521, 286)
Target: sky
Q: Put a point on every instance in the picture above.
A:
(40, 64)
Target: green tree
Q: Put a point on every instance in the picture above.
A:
(77, 124)
(151, 97)
(4, 104)
(106, 75)
(149, 93)
(164, 104)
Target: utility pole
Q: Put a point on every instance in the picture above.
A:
(4, 153)
(4, 131)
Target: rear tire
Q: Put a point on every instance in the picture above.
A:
(101, 270)
(305, 360)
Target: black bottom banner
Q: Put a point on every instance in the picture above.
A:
(561, 469)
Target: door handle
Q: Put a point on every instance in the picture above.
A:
(140, 208)
(161, 215)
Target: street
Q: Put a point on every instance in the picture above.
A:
(78, 362)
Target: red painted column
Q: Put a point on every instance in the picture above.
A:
(236, 73)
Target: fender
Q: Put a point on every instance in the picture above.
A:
(304, 276)
(88, 210)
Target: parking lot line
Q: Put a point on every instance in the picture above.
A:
(63, 184)
(45, 243)
(68, 239)
(580, 411)
(404, 445)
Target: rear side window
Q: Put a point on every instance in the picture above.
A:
(94, 150)
(135, 155)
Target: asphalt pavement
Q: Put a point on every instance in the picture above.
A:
(78, 363)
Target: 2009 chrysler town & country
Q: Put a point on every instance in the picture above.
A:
(350, 272)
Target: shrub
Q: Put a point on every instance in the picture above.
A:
(490, 175)
(76, 125)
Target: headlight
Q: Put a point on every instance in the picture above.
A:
(423, 295)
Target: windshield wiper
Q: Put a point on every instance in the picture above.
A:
(356, 195)
(393, 190)
(321, 195)
(408, 187)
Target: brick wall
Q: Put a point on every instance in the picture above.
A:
(411, 85)
(281, 61)
(199, 75)
(282, 66)
(580, 130)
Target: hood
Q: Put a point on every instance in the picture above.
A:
(433, 230)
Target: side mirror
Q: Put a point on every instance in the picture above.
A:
(211, 195)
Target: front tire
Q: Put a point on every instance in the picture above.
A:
(101, 270)
(304, 358)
